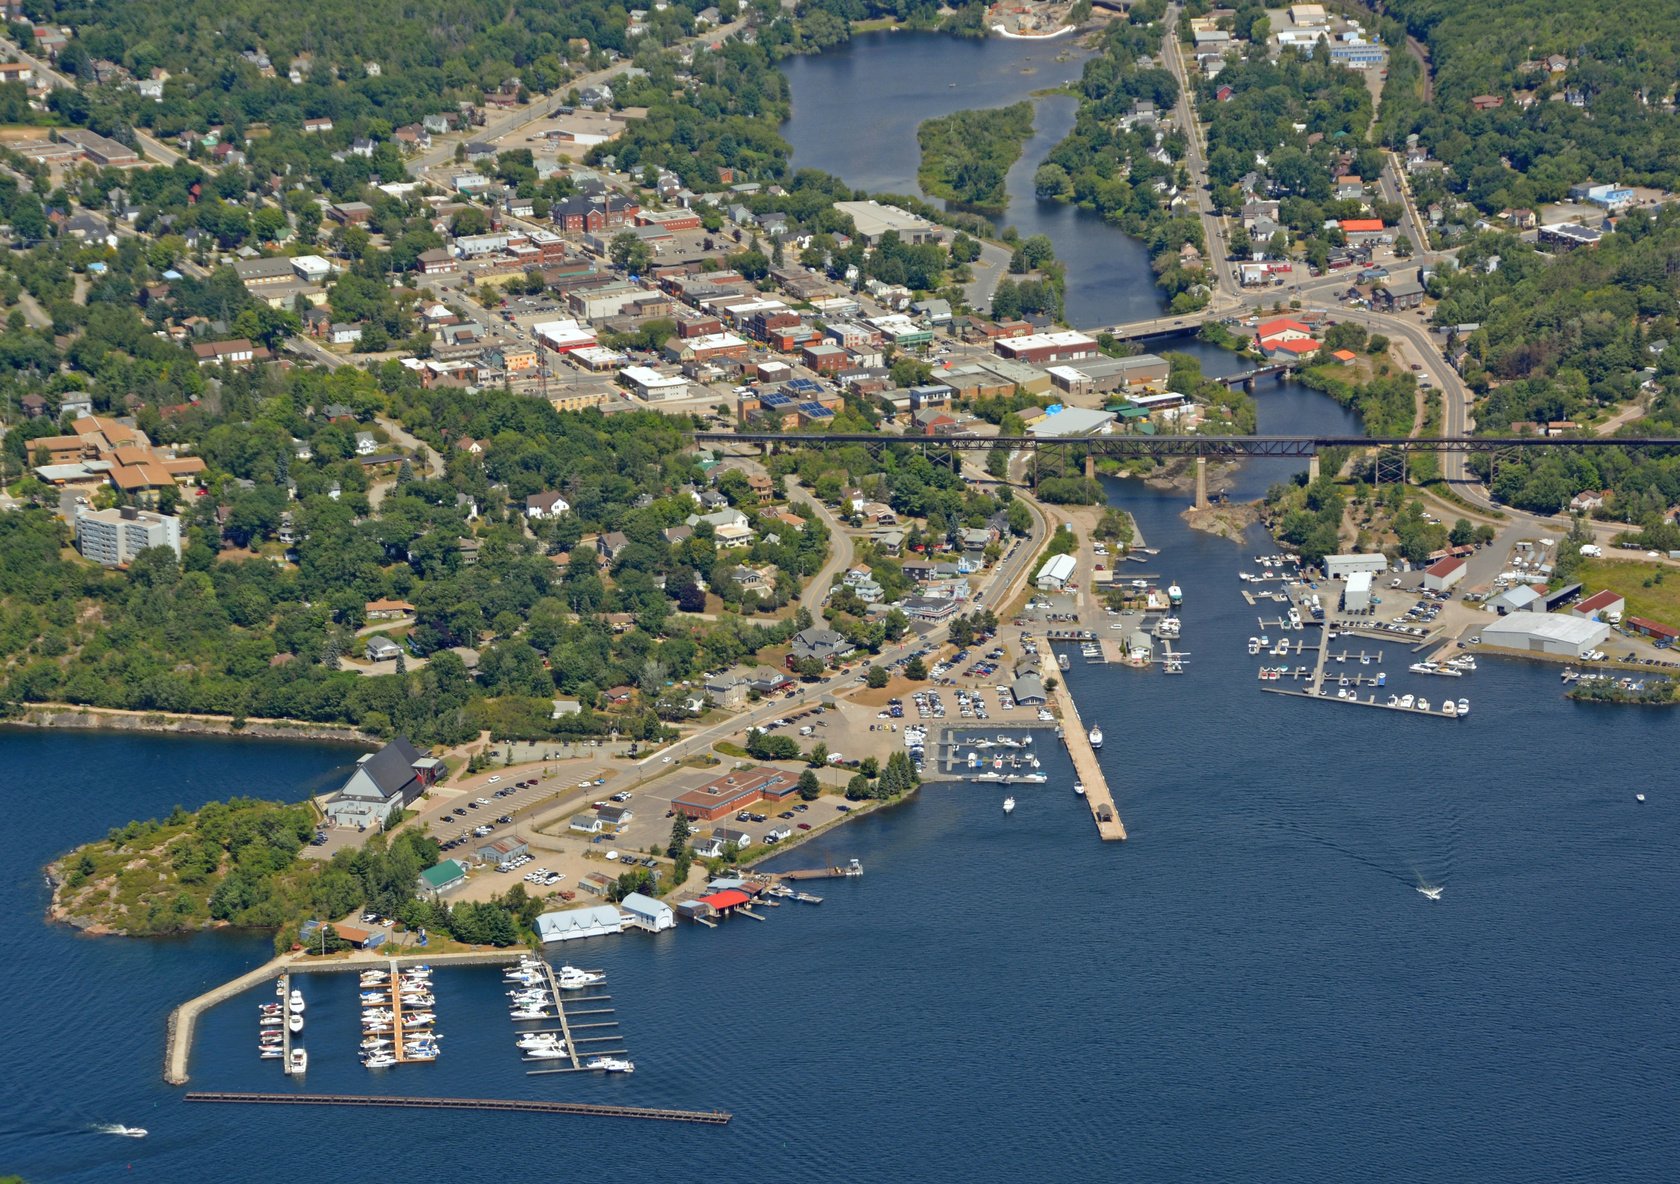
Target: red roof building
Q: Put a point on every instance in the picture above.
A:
(1600, 602)
(1438, 577)
(728, 898)
(723, 796)
(1654, 629)
(1362, 225)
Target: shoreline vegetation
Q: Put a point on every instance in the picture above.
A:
(967, 155)
(169, 723)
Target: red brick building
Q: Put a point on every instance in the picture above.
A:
(732, 792)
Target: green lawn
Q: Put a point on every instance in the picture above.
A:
(1651, 589)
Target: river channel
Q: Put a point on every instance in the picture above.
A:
(855, 114)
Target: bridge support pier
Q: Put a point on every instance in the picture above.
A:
(1312, 468)
(1201, 483)
(1090, 466)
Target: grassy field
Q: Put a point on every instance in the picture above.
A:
(1651, 589)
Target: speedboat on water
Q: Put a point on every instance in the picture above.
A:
(610, 1064)
(126, 1132)
(571, 978)
(1433, 892)
(1009, 805)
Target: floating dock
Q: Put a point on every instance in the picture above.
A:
(524, 1106)
(1085, 765)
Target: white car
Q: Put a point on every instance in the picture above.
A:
(492, 781)
(482, 801)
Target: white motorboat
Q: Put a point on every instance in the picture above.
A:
(299, 1064)
(1009, 805)
(1175, 594)
(126, 1132)
(1433, 892)
(571, 978)
(273, 1021)
(1406, 701)
(610, 1064)
(547, 1052)
(294, 1022)
(1394, 700)
(295, 1002)
(1449, 708)
(1463, 708)
(1079, 788)
(379, 1060)
(1422, 704)
(270, 1052)
(419, 1019)
(420, 1054)
(1639, 797)
(538, 1039)
(1095, 736)
(369, 1043)
(531, 1013)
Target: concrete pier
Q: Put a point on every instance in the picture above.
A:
(1085, 766)
(178, 1042)
(1201, 483)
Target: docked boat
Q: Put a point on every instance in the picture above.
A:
(1254, 645)
(571, 978)
(1095, 736)
(538, 1039)
(1449, 708)
(379, 1060)
(531, 1013)
(294, 1022)
(1394, 700)
(1063, 662)
(1422, 703)
(1406, 701)
(546, 1052)
(1175, 595)
(1079, 788)
(1009, 805)
(1463, 707)
(610, 1064)
(299, 1064)
(270, 1052)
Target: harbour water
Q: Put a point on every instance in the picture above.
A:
(1250, 988)
(855, 114)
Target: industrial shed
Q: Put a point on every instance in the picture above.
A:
(1340, 567)
(1565, 636)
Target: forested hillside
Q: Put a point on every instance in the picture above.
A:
(1603, 111)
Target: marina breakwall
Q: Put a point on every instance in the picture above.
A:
(1085, 764)
(178, 1033)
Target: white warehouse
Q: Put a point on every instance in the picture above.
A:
(1564, 635)
(1056, 573)
(1340, 567)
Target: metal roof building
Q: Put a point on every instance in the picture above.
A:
(648, 913)
(1056, 573)
(1339, 567)
(570, 924)
(1566, 636)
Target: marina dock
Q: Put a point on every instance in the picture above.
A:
(1085, 765)
(514, 1105)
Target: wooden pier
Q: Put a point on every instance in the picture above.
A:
(507, 1105)
(560, 1010)
(821, 873)
(1085, 765)
(286, 1024)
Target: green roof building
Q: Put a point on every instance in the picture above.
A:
(445, 877)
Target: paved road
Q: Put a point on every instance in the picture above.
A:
(840, 552)
(989, 271)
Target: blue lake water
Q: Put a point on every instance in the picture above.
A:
(1248, 989)
(855, 114)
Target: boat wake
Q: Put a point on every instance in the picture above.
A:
(1432, 891)
(117, 1128)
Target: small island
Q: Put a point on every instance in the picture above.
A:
(966, 156)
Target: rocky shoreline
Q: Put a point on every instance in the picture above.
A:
(163, 723)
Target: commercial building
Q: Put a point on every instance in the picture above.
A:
(383, 783)
(1664, 635)
(1100, 375)
(725, 795)
(1065, 422)
(873, 220)
(1356, 594)
(112, 538)
(502, 852)
(1055, 574)
(1440, 576)
(1040, 348)
(596, 920)
(1339, 567)
(650, 385)
(1563, 635)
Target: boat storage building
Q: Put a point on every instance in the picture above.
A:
(571, 924)
(1340, 567)
(1562, 634)
(647, 913)
(1356, 596)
